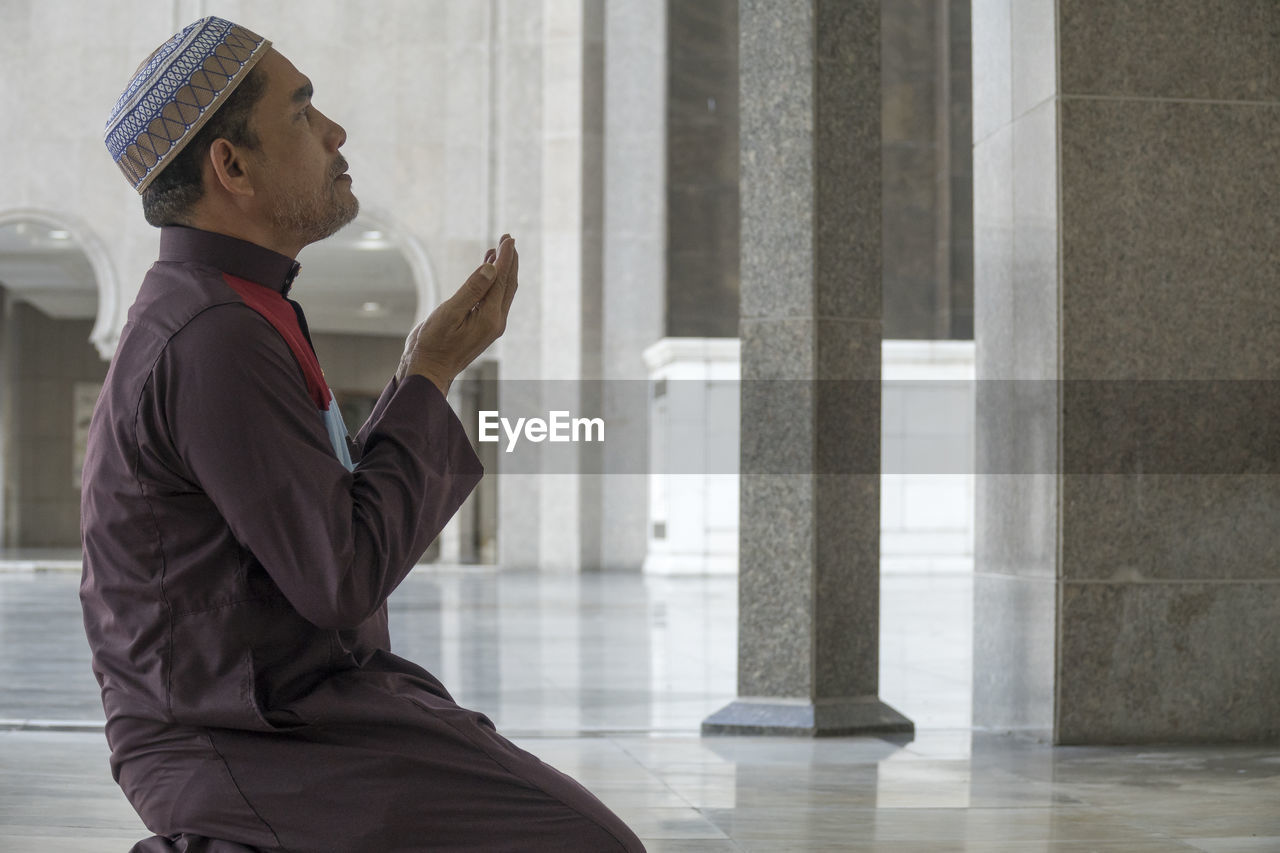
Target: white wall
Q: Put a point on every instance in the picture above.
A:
(448, 140)
(927, 457)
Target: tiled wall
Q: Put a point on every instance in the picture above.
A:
(1126, 163)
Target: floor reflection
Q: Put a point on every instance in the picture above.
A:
(554, 655)
(609, 676)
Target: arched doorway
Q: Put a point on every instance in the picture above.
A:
(50, 313)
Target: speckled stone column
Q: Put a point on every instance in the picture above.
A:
(810, 328)
(1127, 560)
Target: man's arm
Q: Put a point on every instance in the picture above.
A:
(380, 405)
(335, 542)
(250, 438)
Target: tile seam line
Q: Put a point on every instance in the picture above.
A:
(817, 315)
(1165, 99)
(991, 134)
(1174, 581)
(652, 773)
(64, 726)
(1084, 96)
(38, 724)
(1134, 581)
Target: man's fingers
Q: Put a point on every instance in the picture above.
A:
(506, 256)
(505, 283)
(495, 271)
(506, 261)
(497, 260)
(474, 288)
(513, 280)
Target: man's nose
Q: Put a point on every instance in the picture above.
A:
(335, 132)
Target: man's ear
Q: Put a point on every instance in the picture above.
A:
(230, 168)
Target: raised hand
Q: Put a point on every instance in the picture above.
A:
(465, 324)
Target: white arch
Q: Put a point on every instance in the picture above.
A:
(104, 334)
(424, 277)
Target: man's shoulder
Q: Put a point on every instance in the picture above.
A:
(176, 294)
(172, 293)
(185, 309)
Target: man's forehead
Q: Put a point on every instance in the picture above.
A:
(284, 80)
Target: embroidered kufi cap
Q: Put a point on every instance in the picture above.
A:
(175, 91)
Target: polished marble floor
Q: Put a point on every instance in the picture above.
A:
(608, 676)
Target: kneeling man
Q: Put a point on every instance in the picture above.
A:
(239, 547)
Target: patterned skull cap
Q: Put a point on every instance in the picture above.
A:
(175, 91)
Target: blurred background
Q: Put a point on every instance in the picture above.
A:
(606, 139)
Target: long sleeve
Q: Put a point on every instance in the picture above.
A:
(246, 433)
(380, 406)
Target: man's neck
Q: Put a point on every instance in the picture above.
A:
(245, 229)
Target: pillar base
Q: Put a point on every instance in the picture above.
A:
(802, 718)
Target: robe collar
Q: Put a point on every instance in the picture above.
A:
(231, 255)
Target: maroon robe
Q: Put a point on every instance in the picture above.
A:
(235, 584)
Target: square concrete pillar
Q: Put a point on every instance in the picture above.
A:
(633, 280)
(1127, 350)
(547, 131)
(811, 328)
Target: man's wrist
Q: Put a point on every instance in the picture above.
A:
(436, 380)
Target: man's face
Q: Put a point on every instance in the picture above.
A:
(305, 191)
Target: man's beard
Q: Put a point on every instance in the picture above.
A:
(313, 216)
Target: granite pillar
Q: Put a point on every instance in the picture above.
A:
(1127, 575)
(810, 328)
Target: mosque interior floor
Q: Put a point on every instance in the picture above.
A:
(607, 677)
